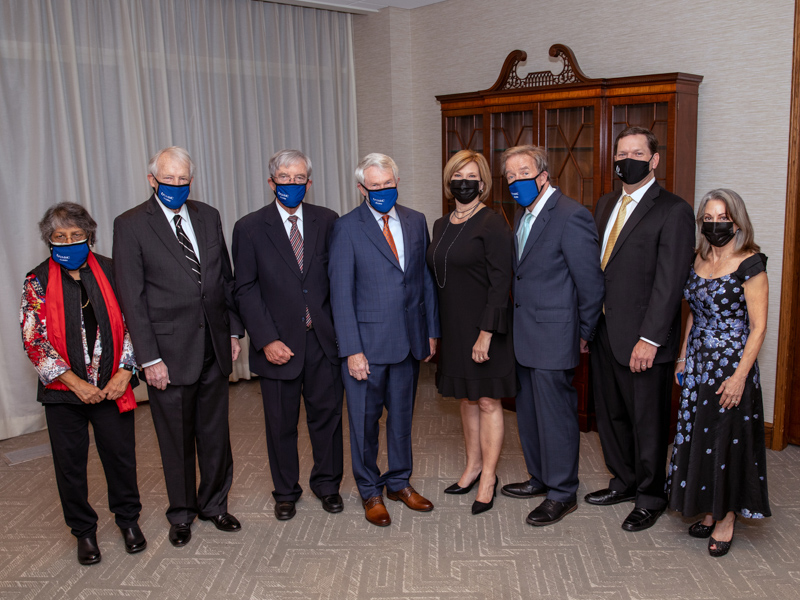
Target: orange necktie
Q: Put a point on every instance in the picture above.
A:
(387, 233)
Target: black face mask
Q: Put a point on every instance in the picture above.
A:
(632, 171)
(718, 234)
(465, 190)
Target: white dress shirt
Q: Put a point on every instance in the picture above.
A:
(395, 228)
(186, 224)
(287, 225)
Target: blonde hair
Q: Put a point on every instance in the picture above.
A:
(737, 212)
(460, 160)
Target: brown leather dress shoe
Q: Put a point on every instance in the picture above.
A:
(376, 512)
(411, 499)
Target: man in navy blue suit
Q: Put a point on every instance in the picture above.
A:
(386, 320)
(558, 296)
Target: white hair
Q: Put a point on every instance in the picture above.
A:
(176, 152)
(284, 158)
(375, 159)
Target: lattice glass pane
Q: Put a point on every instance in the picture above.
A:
(510, 129)
(464, 133)
(569, 139)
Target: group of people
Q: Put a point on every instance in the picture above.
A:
(353, 304)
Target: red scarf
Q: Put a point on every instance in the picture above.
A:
(56, 330)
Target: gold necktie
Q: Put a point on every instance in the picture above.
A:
(612, 237)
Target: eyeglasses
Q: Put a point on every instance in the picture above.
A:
(69, 238)
(284, 178)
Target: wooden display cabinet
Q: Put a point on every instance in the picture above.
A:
(576, 119)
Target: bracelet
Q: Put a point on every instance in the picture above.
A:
(681, 360)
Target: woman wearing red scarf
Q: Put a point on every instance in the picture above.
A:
(75, 336)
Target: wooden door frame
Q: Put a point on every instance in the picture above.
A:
(789, 328)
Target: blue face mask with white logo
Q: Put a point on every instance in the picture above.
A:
(172, 196)
(70, 256)
(290, 194)
(524, 191)
(383, 200)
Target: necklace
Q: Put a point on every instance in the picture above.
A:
(718, 263)
(85, 305)
(446, 252)
(460, 213)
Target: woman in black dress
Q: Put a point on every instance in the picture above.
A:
(718, 462)
(471, 258)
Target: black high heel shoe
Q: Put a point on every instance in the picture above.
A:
(698, 530)
(457, 489)
(720, 548)
(481, 507)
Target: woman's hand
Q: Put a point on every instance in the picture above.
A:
(118, 383)
(731, 391)
(85, 391)
(680, 367)
(480, 351)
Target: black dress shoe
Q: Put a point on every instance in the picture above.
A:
(224, 522)
(284, 510)
(134, 539)
(482, 507)
(524, 489)
(332, 503)
(640, 519)
(180, 534)
(550, 511)
(607, 497)
(88, 550)
(457, 489)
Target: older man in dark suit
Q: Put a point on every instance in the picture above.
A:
(281, 257)
(558, 293)
(647, 243)
(175, 286)
(387, 320)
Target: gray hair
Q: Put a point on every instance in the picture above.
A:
(737, 212)
(176, 152)
(284, 158)
(537, 153)
(67, 214)
(375, 159)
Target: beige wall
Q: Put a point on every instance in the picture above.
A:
(404, 58)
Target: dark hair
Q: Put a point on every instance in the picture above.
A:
(67, 214)
(652, 140)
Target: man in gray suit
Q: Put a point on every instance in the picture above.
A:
(176, 292)
(558, 295)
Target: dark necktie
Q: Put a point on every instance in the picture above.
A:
(297, 245)
(188, 250)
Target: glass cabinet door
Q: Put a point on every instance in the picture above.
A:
(571, 137)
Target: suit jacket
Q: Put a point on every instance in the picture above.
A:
(557, 285)
(646, 272)
(271, 292)
(378, 308)
(166, 311)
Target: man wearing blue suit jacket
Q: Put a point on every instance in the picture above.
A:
(558, 296)
(281, 257)
(386, 320)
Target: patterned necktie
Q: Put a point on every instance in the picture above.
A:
(297, 245)
(387, 233)
(524, 231)
(612, 237)
(188, 250)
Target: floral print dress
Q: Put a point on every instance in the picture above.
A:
(719, 458)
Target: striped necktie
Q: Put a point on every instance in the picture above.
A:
(188, 250)
(297, 245)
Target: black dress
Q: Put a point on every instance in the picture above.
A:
(719, 458)
(472, 264)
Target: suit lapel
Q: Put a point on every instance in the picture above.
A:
(276, 232)
(163, 230)
(372, 229)
(311, 231)
(539, 224)
(645, 204)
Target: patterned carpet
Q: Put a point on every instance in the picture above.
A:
(446, 554)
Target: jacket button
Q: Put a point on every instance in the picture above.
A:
(516, 305)
(202, 325)
(305, 291)
(518, 277)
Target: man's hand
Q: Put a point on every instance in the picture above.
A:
(117, 385)
(432, 342)
(236, 348)
(278, 353)
(642, 356)
(358, 366)
(584, 346)
(157, 375)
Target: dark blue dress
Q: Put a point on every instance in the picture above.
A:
(719, 458)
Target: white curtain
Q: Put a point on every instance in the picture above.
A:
(89, 90)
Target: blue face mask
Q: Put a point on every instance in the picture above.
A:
(524, 191)
(172, 196)
(70, 256)
(383, 200)
(290, 194)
